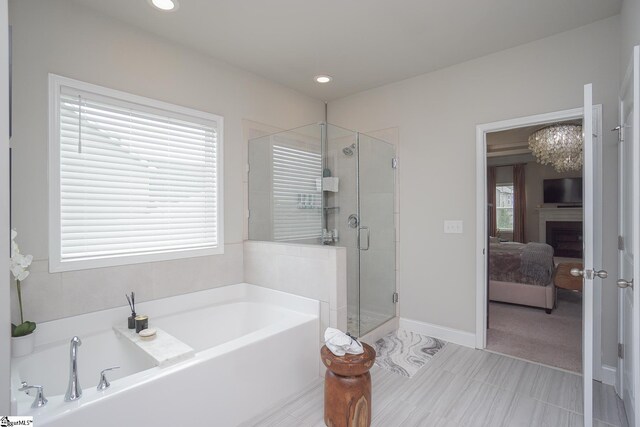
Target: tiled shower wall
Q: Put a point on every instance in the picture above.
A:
(317, 272)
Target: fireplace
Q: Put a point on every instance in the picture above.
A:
(565, 237)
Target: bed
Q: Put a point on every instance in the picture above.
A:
(522, 274)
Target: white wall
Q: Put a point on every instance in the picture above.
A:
(437, 114)
(5, 349)
(62, 37)
(630, 24)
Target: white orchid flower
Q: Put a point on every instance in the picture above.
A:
(20, 274)
(25, 260)
(18, 262)
(14, 245)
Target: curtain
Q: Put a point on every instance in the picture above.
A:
(519, 204)
(491, 199)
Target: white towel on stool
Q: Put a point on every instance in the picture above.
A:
(340, 343)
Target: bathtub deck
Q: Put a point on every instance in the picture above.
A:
(164, 349)
(465, 387)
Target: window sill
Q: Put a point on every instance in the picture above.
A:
(57, 266)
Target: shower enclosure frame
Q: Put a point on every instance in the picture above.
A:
(367, 189)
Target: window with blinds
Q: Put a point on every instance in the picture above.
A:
(504, 207)
(297, 193)
(133, 179)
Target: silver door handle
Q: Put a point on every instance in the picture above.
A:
(577, 272)
(589, 274)
(360, 238)
(625, 283)
(601, 274)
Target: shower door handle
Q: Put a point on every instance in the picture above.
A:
(360, 230)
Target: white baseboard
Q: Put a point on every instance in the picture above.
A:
(609, 375)
(456, 336)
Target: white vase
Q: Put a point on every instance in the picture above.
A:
(21, 346)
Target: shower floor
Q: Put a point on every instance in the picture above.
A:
(368, 321)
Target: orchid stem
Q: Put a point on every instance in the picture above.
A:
(20, 300)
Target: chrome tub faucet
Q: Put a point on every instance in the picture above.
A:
(74, 391)
(40, 400)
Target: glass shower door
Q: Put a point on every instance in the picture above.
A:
(377, 241)
(341, 210)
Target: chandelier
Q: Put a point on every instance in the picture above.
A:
(559, 146)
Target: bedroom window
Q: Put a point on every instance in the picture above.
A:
(131, 179)
(504, 207)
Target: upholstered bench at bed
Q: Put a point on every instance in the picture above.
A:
(522, 274)
(523, 294)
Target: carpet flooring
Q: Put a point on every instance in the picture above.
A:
(529, 333)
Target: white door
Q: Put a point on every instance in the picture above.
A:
(591, 272)
(629, 245)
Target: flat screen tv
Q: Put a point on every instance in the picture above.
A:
(563, 191)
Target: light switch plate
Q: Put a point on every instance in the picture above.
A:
(453, 227)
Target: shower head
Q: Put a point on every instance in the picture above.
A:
(348, 151)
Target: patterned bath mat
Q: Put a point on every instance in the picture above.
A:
(405, 352)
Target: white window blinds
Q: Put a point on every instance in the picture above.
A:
(134, 180)
(297, 193)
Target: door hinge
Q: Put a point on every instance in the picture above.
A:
(394, 163)
(620, 243)
(620, 351)
(395, 298)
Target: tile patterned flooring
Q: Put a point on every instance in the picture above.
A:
(368, 322)
(466, 387)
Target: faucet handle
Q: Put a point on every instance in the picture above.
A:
(104, 382)
(40, 400)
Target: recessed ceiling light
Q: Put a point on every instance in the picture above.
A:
(165, 5)
(323, 78)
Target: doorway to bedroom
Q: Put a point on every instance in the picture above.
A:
(534, 231)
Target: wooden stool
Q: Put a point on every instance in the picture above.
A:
(347, 388)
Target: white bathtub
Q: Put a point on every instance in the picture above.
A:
(253, 348)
